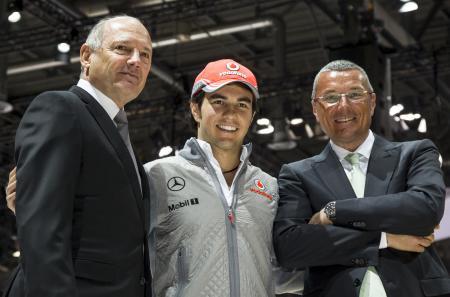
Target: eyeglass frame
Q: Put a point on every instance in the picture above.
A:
(319, 98)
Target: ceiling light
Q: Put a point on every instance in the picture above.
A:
(14, 17)
(410, 116)
(309, 131)
(395, 109)
(408, 7)
(296, 121)
(404, 125)
(422, 126)
(165, 42)
(165, 151)
(263, 121)
(14, 9)
(198, 36)
(269, 129)
(16, 254)
(214, 32)
(63, 47)
(5, 107)
(240, 28)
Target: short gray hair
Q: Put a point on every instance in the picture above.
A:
(340, 65)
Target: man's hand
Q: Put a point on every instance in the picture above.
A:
(320, 218)
(409, 243)
(11, 191)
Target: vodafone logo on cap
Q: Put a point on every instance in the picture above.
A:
(232, 66)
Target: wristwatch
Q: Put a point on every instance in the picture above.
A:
(330, 210)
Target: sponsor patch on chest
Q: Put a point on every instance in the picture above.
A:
(260, 189)
(187, 202)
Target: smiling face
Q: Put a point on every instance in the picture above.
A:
(224, 117)
(346, 123)
(119, 68)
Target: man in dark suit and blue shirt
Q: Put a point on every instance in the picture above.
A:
(361, 214)
(82, 201)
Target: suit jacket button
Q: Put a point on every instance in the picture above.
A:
(357, 282)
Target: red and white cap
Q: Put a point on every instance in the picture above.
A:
(222, 72)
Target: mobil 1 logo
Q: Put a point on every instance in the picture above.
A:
(185, 203)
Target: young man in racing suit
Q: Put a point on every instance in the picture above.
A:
(211, 230)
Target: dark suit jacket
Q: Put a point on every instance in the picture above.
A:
(81, 215)
(404, 194)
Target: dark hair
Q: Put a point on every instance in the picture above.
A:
(200, 96)
(197, 100)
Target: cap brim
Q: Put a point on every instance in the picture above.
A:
(212, 87)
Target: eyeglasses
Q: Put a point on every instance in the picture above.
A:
(331, 99)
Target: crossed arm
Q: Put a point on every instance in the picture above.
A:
(304, 236)
(401, 242)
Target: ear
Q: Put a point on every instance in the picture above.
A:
(373, 103)
(314, 109)
(85, 57)
(195, 111)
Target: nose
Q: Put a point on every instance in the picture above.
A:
(134, 58)
(230, 109)
(344, 100)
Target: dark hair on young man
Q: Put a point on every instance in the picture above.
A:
(200, 96)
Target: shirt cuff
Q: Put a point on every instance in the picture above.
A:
(383, 241)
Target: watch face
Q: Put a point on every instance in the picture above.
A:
(330, 210)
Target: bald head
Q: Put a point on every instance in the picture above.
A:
(116, 58)
(96, 35)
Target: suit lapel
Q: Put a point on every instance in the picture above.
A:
(110, 130)
(382, 163)
(333, 177)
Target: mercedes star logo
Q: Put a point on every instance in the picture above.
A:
(176, 183)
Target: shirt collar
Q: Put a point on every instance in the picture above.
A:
(107, 103)
(206, 147)
(364, 149)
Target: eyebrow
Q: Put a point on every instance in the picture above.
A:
(217, 96)
(128, 42)
(334, 91)
(220, 96)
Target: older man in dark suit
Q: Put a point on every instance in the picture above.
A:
(82, 195)
(361, 214)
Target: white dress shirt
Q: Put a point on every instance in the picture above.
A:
(226, 190)
(364, 151)
(107, 103)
